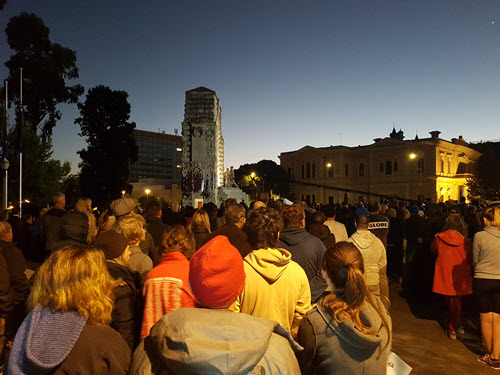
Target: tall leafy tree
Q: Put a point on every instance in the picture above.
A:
(46, 67)
(104, 122)
(485, 185)
(267, 176)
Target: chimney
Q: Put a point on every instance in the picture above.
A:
(435, 134)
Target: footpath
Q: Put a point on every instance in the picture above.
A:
(419, 340)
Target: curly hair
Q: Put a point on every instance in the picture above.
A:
(75, 278)
(262, 227)
(131, 227)
(177, 239)
(293, 216)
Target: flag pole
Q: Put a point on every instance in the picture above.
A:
(21, 149)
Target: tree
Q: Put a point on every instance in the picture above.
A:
(71, 189)
(485, 185)
(104, 122)
(46, 68)
(267, 176)
(42, 175)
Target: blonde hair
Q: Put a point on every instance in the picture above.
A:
(4, 228)
(132, 228)
(84, 205)
(493, 215)
(344, 266)
(75, 278)
(200, 220)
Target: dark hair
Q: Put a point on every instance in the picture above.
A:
(293, 216)
(455, 222)
(362, 221)
(263, 226)
(234, 213)
(229, 202)
(329, 211)
(153, 208)
(318, 218)
(373, 206)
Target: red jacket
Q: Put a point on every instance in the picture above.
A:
(452, 275)
(166, 289)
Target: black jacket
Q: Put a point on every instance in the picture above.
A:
(236, 236)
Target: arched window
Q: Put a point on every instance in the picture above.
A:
(361, 170)
(381, 167)
(346, 169)
(388, 167)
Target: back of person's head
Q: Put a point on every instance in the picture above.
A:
(344, 268)
(293, 216)
(258, 204)
(234, 213)
(262, 227)
(153, 208)
(455, 222)
(59, 197)
(106, 220)
(230, 202)
(114, 246)
(177, 239)
(5, 228)
(84, 205)
(216, 274)
(373, 206)
(264, 197)
(493, 215)
(75, 279)
(391, 212)
(318, 218)
(131, 227)
(15, 210)
(200, 220)
(174, 206)
(383, 209)
(362, 221)
(329, 210)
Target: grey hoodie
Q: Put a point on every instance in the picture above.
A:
(373, 252)
(202, 341)
(485, 252)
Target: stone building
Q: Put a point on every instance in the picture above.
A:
(429, 168)
(203, 147)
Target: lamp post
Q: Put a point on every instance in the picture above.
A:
(5, 165)
(123, 193)
(147, 191)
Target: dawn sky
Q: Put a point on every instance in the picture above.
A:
(288, 73)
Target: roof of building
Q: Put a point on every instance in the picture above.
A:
(146, 133)
(201, 89)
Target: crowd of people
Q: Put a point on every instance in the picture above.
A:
(233, 289)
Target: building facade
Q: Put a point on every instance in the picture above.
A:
(160, 157)
(419, 169)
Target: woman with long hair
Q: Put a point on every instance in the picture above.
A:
(349, 330)
(67, 330)
(84, 205)
(167, 285)
(453, 274)
(486, 284)
(200, 227)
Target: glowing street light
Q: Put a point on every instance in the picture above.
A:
(412, 156)
(329, 165)
(123, 193)
(147, 191)
(252, 174)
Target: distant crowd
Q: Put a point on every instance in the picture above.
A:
(265, 289)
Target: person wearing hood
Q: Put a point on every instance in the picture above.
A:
(452, 275)
(374, 256)
(74, 230)
(213, 339)
(276, 288)
(306, 249)
(126, 316)
(486, 284)
(349, 330)
(67, 330)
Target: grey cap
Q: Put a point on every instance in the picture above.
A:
(122, 206)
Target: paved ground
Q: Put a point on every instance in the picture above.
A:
(419, 340)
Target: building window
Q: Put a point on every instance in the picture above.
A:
(314, 170)
(361, 170)
(442, 165)
(290, 173)
(395, 166)
(420, 165)
(449, 165)
(388, 167)
(314, 198)
(381, 167)
(308, 170)
(330, 171)
(302, 174)
(330, 200)
(346, 169)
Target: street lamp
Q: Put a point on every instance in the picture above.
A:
(123, 193)
(252, 174)
(147, 191)
(4, 163)
(413, 156)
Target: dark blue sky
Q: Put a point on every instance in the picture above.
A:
(288, 73)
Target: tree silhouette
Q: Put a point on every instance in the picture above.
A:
(46, 68)
(104, 122)
(268, 176)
